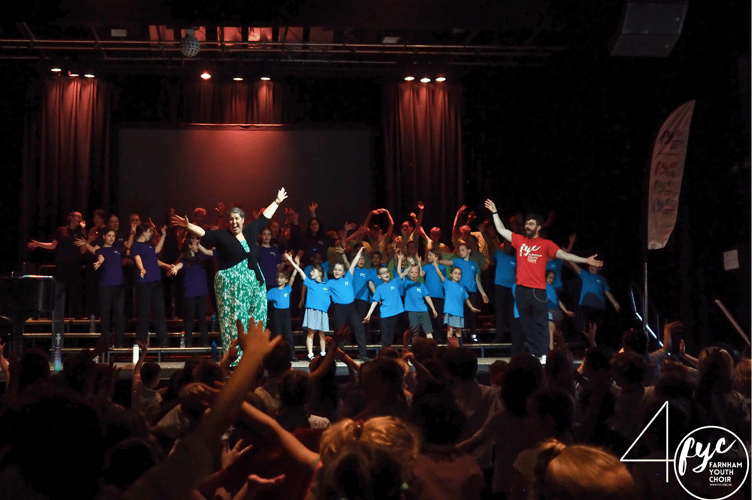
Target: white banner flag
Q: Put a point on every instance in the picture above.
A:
(666, 171)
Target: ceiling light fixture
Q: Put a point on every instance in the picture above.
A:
(205, 75)
(265, 78)
(238, 78)
(425, 79)
(409, 78)
(441, 79)
(89, 75)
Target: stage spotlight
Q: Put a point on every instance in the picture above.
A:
(265, 78)
(72, 73)
(56, 69)
(409, 78)
(205, 75)
(238, 78)
(425, 79)
(441, 79)
(89, 75)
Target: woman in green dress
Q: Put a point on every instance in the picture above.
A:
(239, 283)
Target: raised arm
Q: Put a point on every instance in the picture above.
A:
(294, 263)
(162, 238)
(456, 225)
(389, 230)
(294, 272)
(438, 271)
(504, 232)
(281, 196)
(402, 273)
(355, 260)
(419, 221)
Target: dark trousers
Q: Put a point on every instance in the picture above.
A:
(69, 274)
(192, 307)
(149, 295)
(362, 307)
(532, 305)
(346, 313)
(281, 324)
(471, 319)
(438, 321)
(388, 325)
(504, 302)
(112, 306)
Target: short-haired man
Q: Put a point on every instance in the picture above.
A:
(532, 253)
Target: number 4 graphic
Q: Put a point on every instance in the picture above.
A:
(667, 459)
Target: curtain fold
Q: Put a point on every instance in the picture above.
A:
(258, 102)
(66, 151)
(423, 149)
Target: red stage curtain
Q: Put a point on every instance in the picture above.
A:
(423, 149)
(257, 102)
(66, 151)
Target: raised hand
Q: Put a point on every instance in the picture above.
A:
(281, 196)
(349, 226)
(313, 206)
(453, 342)
(590, 333)
(342, 334)
(32, 244)
(256, 337)
(220, 209)
(421, 205)
(97, 264)
(79, 242)
(490, 205)
(142, 346)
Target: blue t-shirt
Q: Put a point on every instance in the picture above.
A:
(280, 299)
(556, 266)
(454, 298)
(318, 295)
(433, 283)
(111, 271)
(414, 293)
(594, 288)
(148, 260)
(342, 289)
(506, 269)
(194, 275)
(268, 259)
(469, 270)
(324, 265)
(360, 282)
(553, 297)
(390, 296)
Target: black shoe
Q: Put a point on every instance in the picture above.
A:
(474, 339)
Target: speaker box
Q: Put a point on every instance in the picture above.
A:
(649, 29)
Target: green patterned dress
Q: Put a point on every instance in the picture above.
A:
(239, 296)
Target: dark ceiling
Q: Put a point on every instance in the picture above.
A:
(304, 37)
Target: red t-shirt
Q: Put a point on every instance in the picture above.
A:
(532, 255)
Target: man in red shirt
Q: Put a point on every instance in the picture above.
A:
(532, 254)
